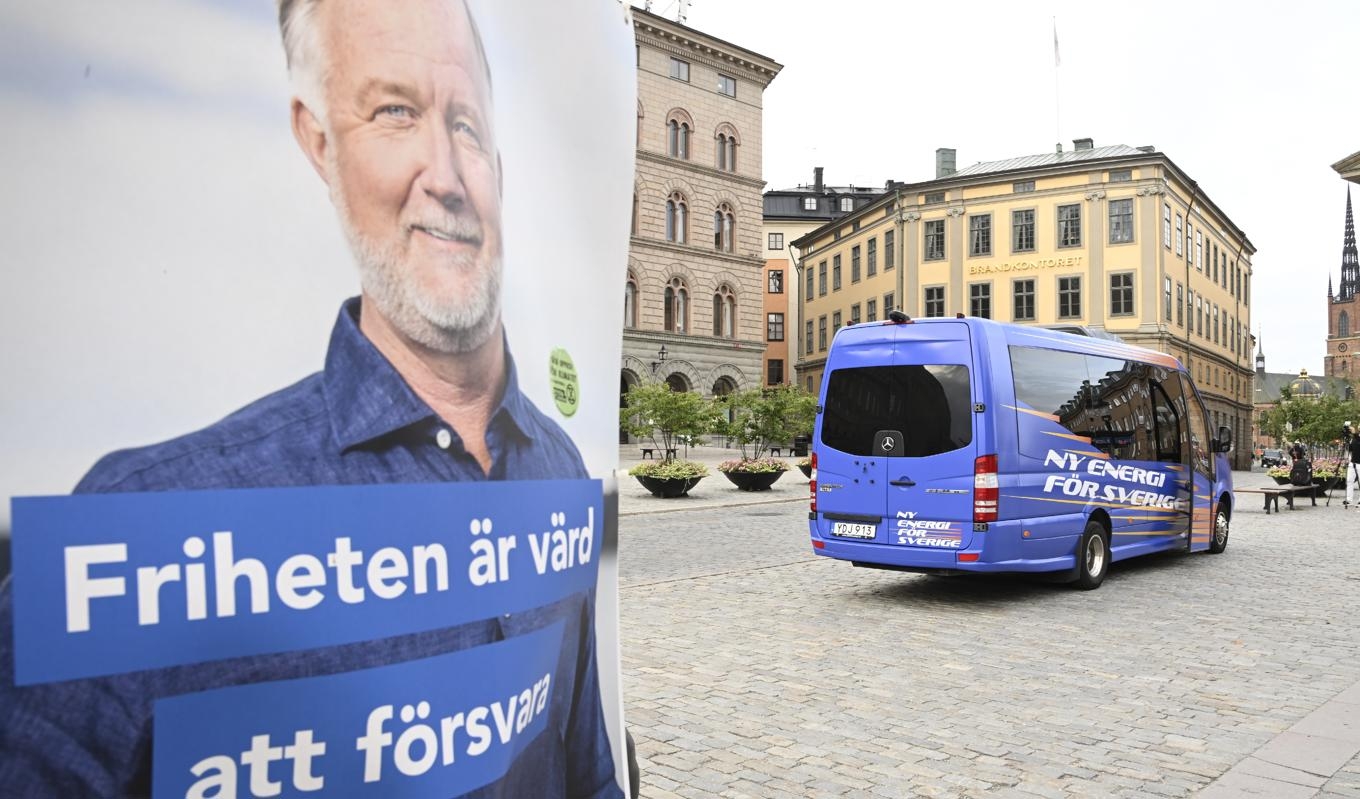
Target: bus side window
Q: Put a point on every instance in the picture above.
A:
(1166, 422)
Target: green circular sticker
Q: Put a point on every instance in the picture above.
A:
(566, 386)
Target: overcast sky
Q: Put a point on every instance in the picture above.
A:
(1254, 100)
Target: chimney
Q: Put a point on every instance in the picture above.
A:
(1059, 148)
(1147, 148)
(944, 162)
(1083, 144)
(817, 179)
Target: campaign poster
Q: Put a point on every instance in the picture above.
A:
(310, 320)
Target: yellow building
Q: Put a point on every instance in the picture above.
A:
(1116, 239)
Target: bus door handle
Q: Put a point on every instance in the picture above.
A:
(904, 482)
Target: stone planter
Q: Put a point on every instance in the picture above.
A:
(668, 487)
(753, 481)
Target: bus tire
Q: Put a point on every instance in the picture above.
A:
(1093, 557)
(1219, 541)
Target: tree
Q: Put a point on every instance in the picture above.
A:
(654, 410)
(761, 418)
(1315, 422)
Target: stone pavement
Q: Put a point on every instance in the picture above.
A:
(753, 668)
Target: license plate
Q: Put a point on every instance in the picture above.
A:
(852, 530)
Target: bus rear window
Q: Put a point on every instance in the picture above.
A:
(930, 405)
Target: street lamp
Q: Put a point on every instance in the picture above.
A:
(660, 359)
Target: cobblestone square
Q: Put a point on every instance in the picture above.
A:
(755, 669)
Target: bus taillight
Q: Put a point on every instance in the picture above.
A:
(812, 485)
(985, 489)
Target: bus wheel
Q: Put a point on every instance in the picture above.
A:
(1093, 557)
(1220, 540)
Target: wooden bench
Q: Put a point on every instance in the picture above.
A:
(774, 451)
(1273, 494)
(647, 452)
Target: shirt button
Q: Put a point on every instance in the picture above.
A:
(443, 438)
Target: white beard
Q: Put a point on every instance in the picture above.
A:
(456, 324)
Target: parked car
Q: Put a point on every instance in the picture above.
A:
(1272, 457)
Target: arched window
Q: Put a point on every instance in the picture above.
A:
(1343, 324)
(630, 298)
(724, 312)
(724, 227)
(678, 127)
(677, 306)
(676, 218)
(634, 226)
(725, 149)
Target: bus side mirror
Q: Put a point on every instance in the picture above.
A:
(1223, 443)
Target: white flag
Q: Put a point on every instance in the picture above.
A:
(1057, 59)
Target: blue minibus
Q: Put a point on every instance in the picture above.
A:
(964, 445)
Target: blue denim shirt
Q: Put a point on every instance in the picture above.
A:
(355, 422)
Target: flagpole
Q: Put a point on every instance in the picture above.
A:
(1057, 90)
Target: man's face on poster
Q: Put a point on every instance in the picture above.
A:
(412, 165)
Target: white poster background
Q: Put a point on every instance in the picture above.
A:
(170, 256)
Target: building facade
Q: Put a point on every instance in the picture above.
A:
(1343, 310)
(693, 309)
(790, 214)
(1116, 239)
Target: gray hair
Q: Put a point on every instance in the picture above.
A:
(306, 57)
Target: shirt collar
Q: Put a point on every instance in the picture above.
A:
(367, 398)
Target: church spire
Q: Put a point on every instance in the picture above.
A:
(1260, 353)
(1350, 263)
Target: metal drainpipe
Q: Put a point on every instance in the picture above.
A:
(901, 255)
(1237, 312)
(1189, 256)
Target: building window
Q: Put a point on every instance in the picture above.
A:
(774, 372)
(1166, 300)
(1199, 250)
(821, 333)
(836, 273)
(1023, 292)
(726, 151)
(980, 300)
(1069, 226)
(630, 297)
(1069, 297)
(1022, 186)
(1216, 340)
(774, 327)
(934, 301)
(888, 240)
(1166, 225)
(1121, 175)
(835, 323)
(854, 314)
(677, 306)
(871, 268)
(888, 303)
(727, 85)
(810, 293)
(775, 241)
(807, 331)
(677, 212)
(934, 240)
(1121, 294)
(847, 204)
(854, 264)
(775, 281)
(980, 234)
(809, 203)
(724, 312)
(1343, 325)
(1213, 262)
(821, 279)
(677, 138)
(680, 69)
(1180, 304)
(1199, 315)
(1022, 230)
(871, 310)
(933, 197)
(1180, 239)
(724, 224)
